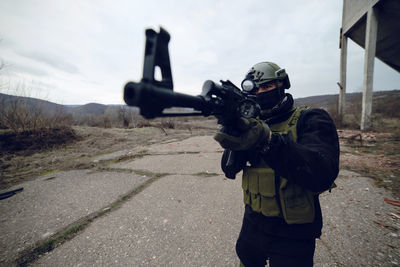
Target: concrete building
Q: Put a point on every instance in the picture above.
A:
(375, 26)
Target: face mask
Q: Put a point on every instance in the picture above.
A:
(270, 99)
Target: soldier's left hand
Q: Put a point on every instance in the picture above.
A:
(254, 133)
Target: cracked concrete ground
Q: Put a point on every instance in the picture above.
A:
(187, 219)
(52, 202)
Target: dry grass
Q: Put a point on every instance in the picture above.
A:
(31, 141)
(18, 114)
(377, 158)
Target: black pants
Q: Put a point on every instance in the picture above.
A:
(255, 247)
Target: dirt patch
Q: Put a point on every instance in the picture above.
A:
(375, 155)
(28, 142)
(24, 159)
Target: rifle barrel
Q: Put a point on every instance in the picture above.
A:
(152, 100)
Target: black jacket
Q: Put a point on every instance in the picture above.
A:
(312, 162)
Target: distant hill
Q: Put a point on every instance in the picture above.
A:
(320, 101)
(49, 107)
(383, 102)
(46, 106)
(90, 109)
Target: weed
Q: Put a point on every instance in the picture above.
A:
(123, 158)
(48, 172)
(206, 174)
(169, 124)
(149, 174)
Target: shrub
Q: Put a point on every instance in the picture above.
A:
(19, 115)
(38, 139)
(169, 124)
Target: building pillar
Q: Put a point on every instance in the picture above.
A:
(370, 48)
(342, 84)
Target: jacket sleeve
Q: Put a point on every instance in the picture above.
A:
(312, 162)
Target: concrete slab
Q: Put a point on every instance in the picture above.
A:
(176, 164)
(191, 221)
(188, 220)
(205, 144)
(179, 220)
(54, 201)
(359, 228)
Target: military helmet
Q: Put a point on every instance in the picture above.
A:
(262, 73)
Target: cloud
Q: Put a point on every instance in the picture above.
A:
(26, 68)
(54, 61)
(90, 49)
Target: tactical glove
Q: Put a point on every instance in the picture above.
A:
(253, 133)
(233, 162)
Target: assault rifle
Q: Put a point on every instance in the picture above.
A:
(224, 101)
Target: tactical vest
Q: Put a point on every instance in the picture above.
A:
(274, 196)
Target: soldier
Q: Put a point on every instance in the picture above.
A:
(288, 156)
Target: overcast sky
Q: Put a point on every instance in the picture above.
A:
(76, 52)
